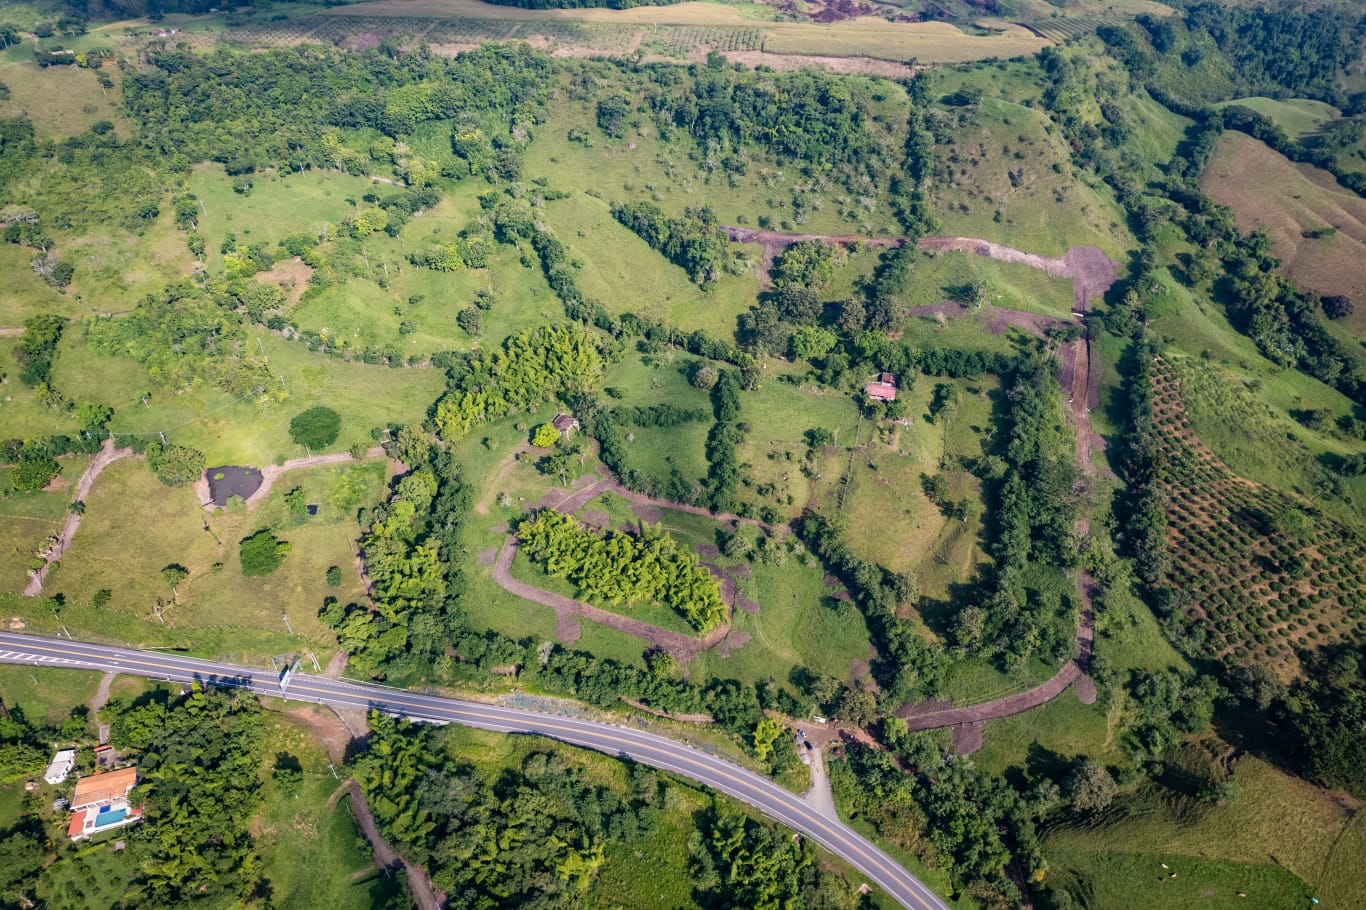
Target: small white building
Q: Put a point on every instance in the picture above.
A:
(61, 766)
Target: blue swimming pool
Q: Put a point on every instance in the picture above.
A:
(108, 817)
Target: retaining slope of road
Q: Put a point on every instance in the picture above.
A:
(647, 748)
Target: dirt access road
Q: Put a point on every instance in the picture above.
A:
(106, 456)
(568, 610)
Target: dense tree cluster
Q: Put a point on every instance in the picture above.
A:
(694, 242)
(261, 553)
(624, 569)
(974, 822)
(535, 839)
(282, 109)
(173, 465)
(317, 427)
(199, 763)
(529, 369)
(38, 349)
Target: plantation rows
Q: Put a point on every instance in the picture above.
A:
(1261, 578)
(1063, 28)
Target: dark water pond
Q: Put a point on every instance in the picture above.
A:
(232, 480)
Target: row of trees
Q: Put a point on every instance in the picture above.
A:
(623, 569)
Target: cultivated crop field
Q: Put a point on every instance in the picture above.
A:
(1263, 579)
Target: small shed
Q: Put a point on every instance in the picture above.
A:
(60, 766)
(567, 424)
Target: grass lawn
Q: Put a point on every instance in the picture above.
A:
(237, 432)
(303, 825)
(21, 413)
(172, 528)
(623, 272)
(1276, 838)
(45, 693)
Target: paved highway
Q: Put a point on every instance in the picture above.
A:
(646, 748)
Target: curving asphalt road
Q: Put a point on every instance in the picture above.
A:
(646, 748)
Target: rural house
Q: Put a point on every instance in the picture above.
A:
(567, 424)
(101, 803)
(884, 389)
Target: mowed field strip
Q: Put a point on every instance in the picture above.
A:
(925, 42)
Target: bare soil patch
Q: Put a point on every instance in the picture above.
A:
(966, 739)
(487, 557)
(289, 275)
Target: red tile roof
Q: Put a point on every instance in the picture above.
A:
(101, 788)
(882, 391)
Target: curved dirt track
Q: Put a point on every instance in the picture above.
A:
(1092, 273)
(683, 647)
(106, 456)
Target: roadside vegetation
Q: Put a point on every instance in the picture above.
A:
(652, 333)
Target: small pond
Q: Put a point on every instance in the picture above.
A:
(232, 480)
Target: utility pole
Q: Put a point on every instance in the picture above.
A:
(285, 617)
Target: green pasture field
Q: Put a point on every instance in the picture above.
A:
(1063, 727)
(26, 295)
(21, 411)
(665, 173)
(115, 269)
(45, 504)
(902, 529)
(779, 414)
(799, 623)
(91, 877)
(1276, 837)
(172, 528)
(1298, 117)
(364, 314)
(238, 432)
(1013, 182)
(278, 204)
(645, 380)
(1268, 191)
(620, 270)
(45, 693)
(28, 519)
(62, 101)
(938, 276)
(305, 826)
